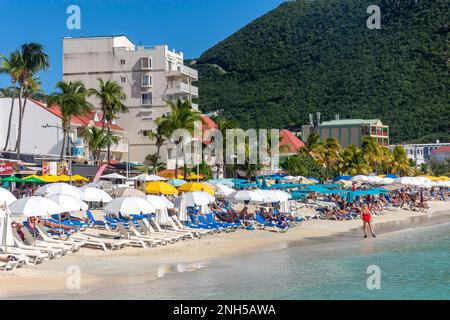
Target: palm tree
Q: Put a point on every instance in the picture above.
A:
(223, 125)
(386, 160)
(353, 161)
(110, 95)
(33, 60)
(13, 66)
(71, 99)
(182, 116)
(372, 152)
(159, 136)
(97, 140)
(400, 163)
(314, 148)
(331, 153)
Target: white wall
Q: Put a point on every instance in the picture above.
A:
(35, 139)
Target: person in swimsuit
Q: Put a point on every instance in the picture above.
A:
(366, 217)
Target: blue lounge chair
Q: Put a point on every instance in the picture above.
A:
(266, 223)
(95, 222)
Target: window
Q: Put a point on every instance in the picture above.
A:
(123, 97)
(146, 99)
(146, 63)
(123, 79)
(146, 116)
(122, 61)
(146, 80)
(144, 133)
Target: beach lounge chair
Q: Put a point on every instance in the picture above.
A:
(94, 222)
(132, 240)
(29, 240)
(199, 224)
(175, 234)
(265, 223)
(52, 252)
(210, 218)
(189, 233)
(34, 256)
(158, 235)
(199, 231)
(221, 226)
(133, 229)
(74, 246)
(98, 241)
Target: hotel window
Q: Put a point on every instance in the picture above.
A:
(144, 133)
(123, 79)
(123, 97)
(146, 99)
(147, 116)
(122, 61)
(146, 63)
(146, 80)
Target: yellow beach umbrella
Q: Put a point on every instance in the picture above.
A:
(195, 177)
(443, 178)
(78, 177)
(49, 178)
(196, 186)
(63, 178)
(159, 187)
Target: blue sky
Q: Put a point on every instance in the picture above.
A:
(191, 26)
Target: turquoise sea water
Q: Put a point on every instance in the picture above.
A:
(414, 264)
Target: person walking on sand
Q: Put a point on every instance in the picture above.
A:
(366, 217)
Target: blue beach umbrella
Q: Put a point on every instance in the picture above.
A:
(176, 182)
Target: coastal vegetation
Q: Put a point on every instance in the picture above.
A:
(318, 56)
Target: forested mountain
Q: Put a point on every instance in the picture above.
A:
(309, 56)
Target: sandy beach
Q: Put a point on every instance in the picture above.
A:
(136, 265)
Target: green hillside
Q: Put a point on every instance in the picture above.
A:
(308, 56)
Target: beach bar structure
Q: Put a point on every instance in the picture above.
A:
(350, 131)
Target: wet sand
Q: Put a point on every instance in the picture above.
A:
(136, 265)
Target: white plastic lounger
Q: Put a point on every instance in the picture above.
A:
(158, 235)
(53, 253)
(35, 256)
(183, 227)
(89, 242)
(29, 240)
(110, 243)
(131, 239)
(8, 266)
(180, 236)
(132, 229)
(182, 231)
(74, 246)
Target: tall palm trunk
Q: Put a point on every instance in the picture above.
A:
(109, 145)
(8, 133)
(176, 159)
(19, 135)
(63, 147)
(155, 164)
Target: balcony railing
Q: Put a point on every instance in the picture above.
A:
(176, 87)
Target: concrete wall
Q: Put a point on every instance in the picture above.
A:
(35, 139)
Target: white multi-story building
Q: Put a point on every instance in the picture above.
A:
(42, 134)
(148, 75)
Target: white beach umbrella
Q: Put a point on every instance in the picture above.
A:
(113, 176)
(388, 180)
(180, 204)
(6, 235)
(197, 198)
(91, 194)
(58, 188)
(146, 177)
(283, 195)
(128, 192)
(68, 203)
(244, 195)
(268, 195)
(361, 178)
(223, 190)
(169, 204)
(34, 207)
(156, 201)
(129, 205)
(6, 196)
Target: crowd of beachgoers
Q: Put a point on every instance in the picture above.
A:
(59, 218)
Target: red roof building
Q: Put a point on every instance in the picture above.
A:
(290, 140)
(80, 121)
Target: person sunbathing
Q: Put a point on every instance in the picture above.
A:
(18, 228)
(68, 216)
(228, 216)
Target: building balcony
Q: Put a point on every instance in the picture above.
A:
(181, 88)
(183, 71)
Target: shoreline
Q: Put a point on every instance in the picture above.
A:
(136, 265)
